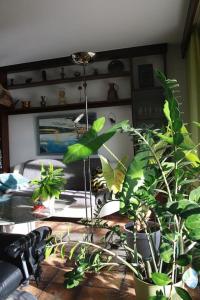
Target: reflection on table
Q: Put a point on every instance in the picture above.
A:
(18, 209)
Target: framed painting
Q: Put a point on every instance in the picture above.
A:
(56, 133)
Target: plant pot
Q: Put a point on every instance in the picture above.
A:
(144, 290)
(49, 203)
(142, 244)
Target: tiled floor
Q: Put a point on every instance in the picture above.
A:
(117, 284)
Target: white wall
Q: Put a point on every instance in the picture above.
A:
(23, 141)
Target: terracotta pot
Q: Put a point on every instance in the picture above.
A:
(144, 290)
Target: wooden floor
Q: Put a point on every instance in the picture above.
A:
(117, 284)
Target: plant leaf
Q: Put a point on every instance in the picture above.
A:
(183, 293)
(193, 221)
(90, 142)
(184, 260)
(166, 252)
(160, 279)
(195, 194)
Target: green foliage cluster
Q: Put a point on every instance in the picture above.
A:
(166, 166)
(49, 184)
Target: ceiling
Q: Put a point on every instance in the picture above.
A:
(40, 29)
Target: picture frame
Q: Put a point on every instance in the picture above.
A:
(56, 132)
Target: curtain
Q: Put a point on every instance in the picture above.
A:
(193, 82)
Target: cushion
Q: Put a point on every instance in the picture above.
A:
(12, 181)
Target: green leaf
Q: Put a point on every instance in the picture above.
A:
(196, 259)
(90, 142)
(193, 221)
(62, 251)
(166, 252)
(183, 293)
(114, 176)
(160, 279)
(72, 251)
(48, 251)
(194, 234)
(190, 212)
(158, 297)
(98, 124)
(195, 194)
(134, 177)
(182, 206)
(184, 260)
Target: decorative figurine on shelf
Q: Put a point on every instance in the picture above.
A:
(43, 102)
(26, 104)
(62, 73)
(44, 75)
(115, 66)
(112, 92)
(61, 97)
(95, 71)
(28, 80)
(77, 74)
(80, 91)
(11, 81)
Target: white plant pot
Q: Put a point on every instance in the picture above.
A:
(142, 243)
(50, 204)
(144, 290)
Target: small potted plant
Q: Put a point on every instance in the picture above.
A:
(48, 186)
(166, 164)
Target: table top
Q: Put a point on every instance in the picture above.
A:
(16, 209)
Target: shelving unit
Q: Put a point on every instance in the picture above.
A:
(70, 106)
(67, 80)
(143, 109)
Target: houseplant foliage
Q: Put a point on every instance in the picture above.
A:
(49, 184)
(166, 166)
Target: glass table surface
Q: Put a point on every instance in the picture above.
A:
(18, 209)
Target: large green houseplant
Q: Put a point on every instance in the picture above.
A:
(165, 166)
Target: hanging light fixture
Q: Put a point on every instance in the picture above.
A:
(83, 58)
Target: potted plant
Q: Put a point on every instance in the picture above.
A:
(166, 164)
(48, 186)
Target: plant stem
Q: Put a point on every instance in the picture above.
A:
(173, 268)
(151, 250)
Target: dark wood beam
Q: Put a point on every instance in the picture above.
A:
(192, 9)
(103, 55)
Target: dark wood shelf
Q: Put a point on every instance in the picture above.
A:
(146, 89)
(149, 118)
(70, 106)
(66, 80)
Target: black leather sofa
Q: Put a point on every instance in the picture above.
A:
(20, 258)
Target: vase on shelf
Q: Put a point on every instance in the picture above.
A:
(61, 97)
(113, 92)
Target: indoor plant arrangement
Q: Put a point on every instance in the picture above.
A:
(165, 166)
(48, 186)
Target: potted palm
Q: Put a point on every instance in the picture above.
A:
(48, 186)
(166, 164)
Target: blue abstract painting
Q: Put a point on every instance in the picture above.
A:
(56, 133)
